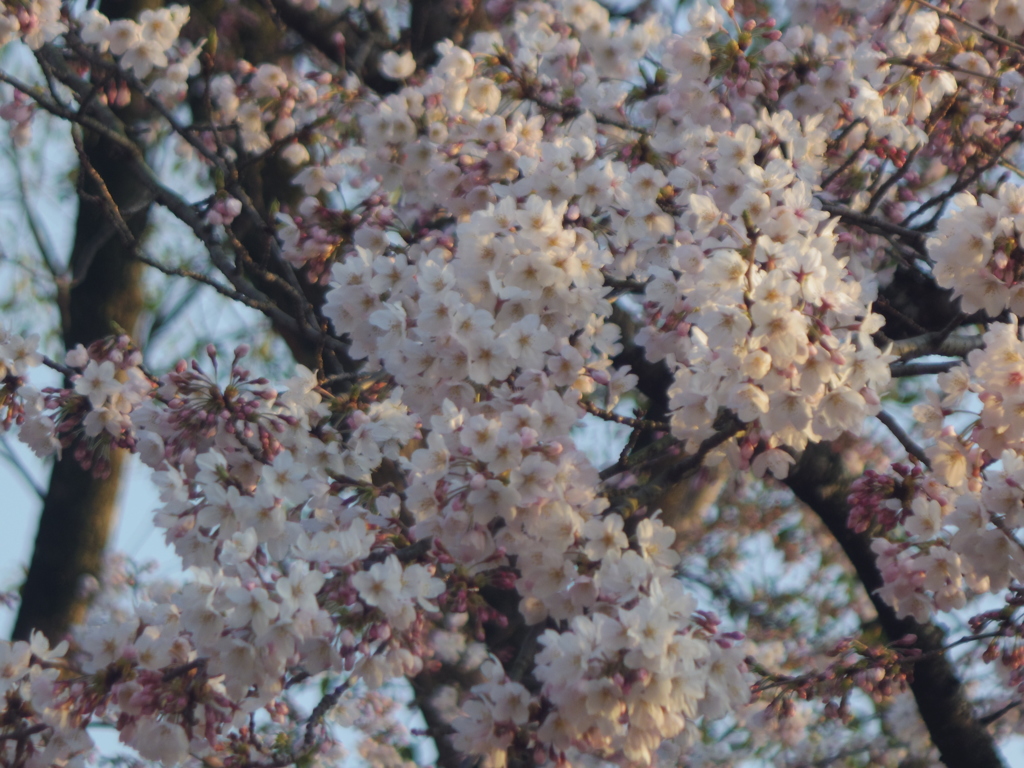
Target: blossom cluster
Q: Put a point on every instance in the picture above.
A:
(294, 560)
(18, 354)
(35, 22)
(957, 520)
(153, 44)
(473, 231)
(141, 46)
(746, 297)
(287, 569)
(978, 254)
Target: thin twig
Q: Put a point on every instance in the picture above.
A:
(905, 440)
(688, 464)
(921, 66)
(991, 717)
(969, 639)
(875, 225)
(935, 344)
(183, 669)
(24, 733)
(114, 214)
(326, 704)
(306, 324)
(958, 186)
(21, 468)
(999, 523)
(894, 177)
(204, 280)
(164, 317)
(846, 164)
(67, 370)
(341, 377)
(976, 27)
(625, 420)
(900, 370)
(35, 226)
(155, 103)
(625, 285)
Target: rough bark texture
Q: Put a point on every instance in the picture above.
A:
(821, 480)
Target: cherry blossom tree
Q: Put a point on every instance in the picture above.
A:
(772, 256)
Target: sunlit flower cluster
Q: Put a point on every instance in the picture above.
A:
(141, 46)
(473, 231)
(978, 254)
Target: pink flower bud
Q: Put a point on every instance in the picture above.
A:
(870, 396)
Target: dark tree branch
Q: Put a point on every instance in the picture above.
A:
(899, 370)
(876, 225)
(991, 717)
(821, 480)
(425, 686)
(936, 344)
(905, 440)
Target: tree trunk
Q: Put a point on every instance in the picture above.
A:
(105, 298)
